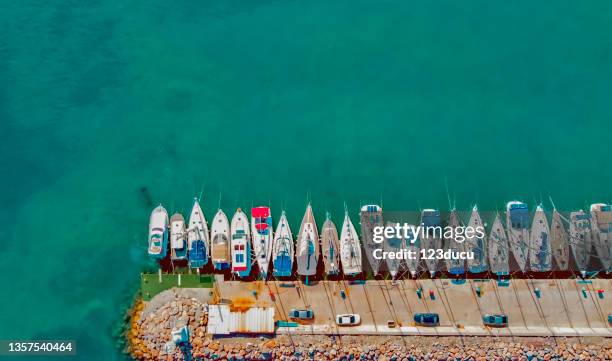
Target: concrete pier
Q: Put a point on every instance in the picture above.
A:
(559, 307)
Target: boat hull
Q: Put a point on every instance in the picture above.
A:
(454, 266)
(282, 253)
(432, 239)
(498, 249)
(413, 243)
(178, 238)
(477, 245)
(350, 249)
(240, 244)
(393, 244)
(539, 243)
(330, 245)
(261, 231)
(601, 223)
(580, 239)
(198, 237)
(371, 216)
(158, 233)
(308, 245)
(220, 241)
(559, 240)
(517, 221)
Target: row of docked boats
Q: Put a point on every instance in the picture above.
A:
(239, 244)
(521, 243)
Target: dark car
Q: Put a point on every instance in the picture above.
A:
(427, 319)
(301, 314)
(498, 320)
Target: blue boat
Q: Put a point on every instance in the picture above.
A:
(282, 251)
(158, 233)
(197, 237)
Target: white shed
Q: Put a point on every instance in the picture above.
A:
(222, 321)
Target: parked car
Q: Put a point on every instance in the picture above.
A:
(427, 319)
(498, 320)
(306, 314)
(610, 320)
(348, 319)
(391, 324)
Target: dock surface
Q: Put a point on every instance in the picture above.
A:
(540, 307)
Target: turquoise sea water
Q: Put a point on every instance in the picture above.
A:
(270, 102)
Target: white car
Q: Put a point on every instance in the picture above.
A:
(348, 319)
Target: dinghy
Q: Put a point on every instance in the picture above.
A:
(498, 248)
(454, 244)
(413, 243)
(517, 223)
(330, 246)
(581, 239)
(559, 240)
(539, 242)
(282, 251)
(220, 240)
(158, 233)
(240, 244)
(350, 249)
(393, 244)
(261, 230)
(432, 238)
(197, 237)
(308, 245)
(371, 216)
(476, 244)
(601, 223)
(178, 239)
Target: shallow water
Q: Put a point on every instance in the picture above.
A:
(274, 103)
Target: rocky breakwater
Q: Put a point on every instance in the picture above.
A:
(410, 348)
(150, 336)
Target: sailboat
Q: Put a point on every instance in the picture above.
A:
(178, 235)
(432, 238)
(282, 251)
(559, 240)
(330, 246)
(158, 233)
(454, 265)
(240, 244)
(601, 222)
(261, 230)
(581, 241)
(517, 222)
(371, 216)
(350, 249)
(197, 237)
(539, 242)
(476, 244)
(308, 245)
(498, 248)
(413, 243)
(220, 241)
(393, 244)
